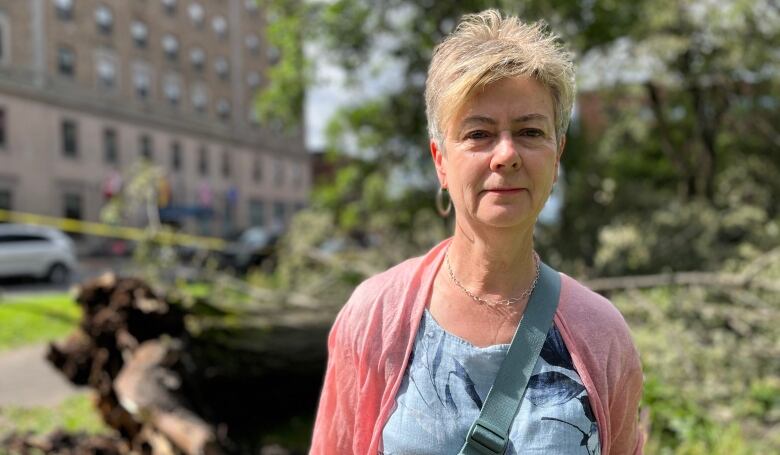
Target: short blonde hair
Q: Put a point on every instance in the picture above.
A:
(487, 47)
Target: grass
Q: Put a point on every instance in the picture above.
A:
(74, 414)
(36, 319)
(199, 289)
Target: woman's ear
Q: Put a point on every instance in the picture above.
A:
(438, 161)
(561, 146)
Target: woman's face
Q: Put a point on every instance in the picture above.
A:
(500, 156)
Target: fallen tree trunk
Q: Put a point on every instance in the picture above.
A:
(721, 280)
(748, 278)
(148, 390)
(192, 378)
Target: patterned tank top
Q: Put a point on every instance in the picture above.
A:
(448, 378)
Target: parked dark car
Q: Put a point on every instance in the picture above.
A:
(255, 247)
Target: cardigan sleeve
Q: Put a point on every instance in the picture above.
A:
(627, 437)
(334, 426)
(602, 347)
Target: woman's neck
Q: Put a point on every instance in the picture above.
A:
(495, 265)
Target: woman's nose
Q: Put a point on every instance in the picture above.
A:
(505, 154)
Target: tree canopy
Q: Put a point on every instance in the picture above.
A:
(671, 165)
(677, 172)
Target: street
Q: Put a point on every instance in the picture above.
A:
(28, 379)
(89, 267)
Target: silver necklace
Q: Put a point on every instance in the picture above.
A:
(502, 302)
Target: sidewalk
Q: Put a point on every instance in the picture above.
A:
(27, 379)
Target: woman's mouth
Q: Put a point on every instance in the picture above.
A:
(504, 190)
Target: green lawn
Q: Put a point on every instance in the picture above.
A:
(36, 319)
(75, 414)
(199, 289)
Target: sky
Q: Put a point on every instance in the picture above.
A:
(330, 91)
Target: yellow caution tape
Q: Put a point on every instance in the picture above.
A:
(120, 232)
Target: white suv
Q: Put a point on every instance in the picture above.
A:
(38, 251)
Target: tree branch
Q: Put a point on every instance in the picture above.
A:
(665, 141)
(745, 279)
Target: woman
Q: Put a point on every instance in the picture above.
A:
(414, 352)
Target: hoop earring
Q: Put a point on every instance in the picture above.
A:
(443, 211)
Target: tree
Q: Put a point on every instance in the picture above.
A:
(686, 88)
(678, 171)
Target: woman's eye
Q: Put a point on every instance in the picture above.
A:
(479, 134)
(532, 132)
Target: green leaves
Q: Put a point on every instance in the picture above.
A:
(688, 105)
(280, 103)
(708, 356)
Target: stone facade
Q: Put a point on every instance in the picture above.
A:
(88, 87)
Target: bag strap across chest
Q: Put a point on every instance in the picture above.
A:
(489, 435)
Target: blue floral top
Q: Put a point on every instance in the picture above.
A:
(447, 378)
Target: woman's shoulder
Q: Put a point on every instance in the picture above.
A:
(388, 283)
(381, 295)
(591, 315)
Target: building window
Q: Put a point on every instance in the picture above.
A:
(106, 70)
(146, 147)
(5, 51)
(279, 212)
(219, 24)
(257, 170)
(253, 79)
(252, 43)
(172, 89)
(73, 207)
(251, 5)
(110, 146)
(273, 54)
(142, 80)
(2, 128)
(221, 67)
(279, 173)
(256, 212)
(64, 9)
(226, 164)
(203, 161)
(176, 156)
(170, 45)
(297, 175)
(197, 13)
(253, 116)
(5, 199)
(197, 58)
(200, 98)
(223, 109)
(169, 6)
(140, 33)
(69, 139)
(104, 19)
(66, 61)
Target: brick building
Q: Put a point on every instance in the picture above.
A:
(90, 87)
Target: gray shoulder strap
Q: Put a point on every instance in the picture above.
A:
(490, 433)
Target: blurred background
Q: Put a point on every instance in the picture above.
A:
(240, 165)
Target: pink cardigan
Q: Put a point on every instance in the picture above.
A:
(373, 336)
